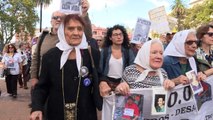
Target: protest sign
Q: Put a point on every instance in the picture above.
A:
(159, 101)
(129, 107)
(194, 83)
(141, 31)
(71, 6)
(159, 20)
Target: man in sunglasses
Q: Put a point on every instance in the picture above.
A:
(50, 39)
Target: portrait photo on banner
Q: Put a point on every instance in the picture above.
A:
(159, 101)
(128, 107)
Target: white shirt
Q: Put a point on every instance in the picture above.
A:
(12, 62)
(115, 67)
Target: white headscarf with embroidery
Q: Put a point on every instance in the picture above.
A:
(143, 59)
(66, 48)
(176, 47)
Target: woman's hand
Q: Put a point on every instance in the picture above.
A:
(104, 88)
(122, 88)
(182, 79)
(36, 115)
(201, 76)
(85, 7)
(168, 84)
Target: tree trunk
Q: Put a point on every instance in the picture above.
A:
(41, 6)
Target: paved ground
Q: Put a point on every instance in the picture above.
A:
(14, 108)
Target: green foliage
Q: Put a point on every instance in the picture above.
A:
(178, 11)
(16, 14)
(199, 14)
(44, 2)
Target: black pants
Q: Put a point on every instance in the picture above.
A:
(11, 84)
(23, 80)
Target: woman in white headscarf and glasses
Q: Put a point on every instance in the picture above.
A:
(147, 71)
(68, 80)
(179, 57)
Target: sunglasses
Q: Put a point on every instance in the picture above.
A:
(190, 42)
(57, 17)
(210, 34)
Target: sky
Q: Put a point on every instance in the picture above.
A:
(106, 13)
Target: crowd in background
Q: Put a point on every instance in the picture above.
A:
(100, 66)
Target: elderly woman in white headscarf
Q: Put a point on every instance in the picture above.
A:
(68, 77)
(147, 72)
(179, 57)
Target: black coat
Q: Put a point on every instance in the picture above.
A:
(50, 86)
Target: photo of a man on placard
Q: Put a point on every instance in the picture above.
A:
(131, 110)
(129, 107)
(160, 104)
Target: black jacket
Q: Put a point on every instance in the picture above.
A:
(50, 86)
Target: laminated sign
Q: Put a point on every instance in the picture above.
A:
(141, 31)
(71, 6)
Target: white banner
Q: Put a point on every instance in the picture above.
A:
(71, 7)
(141, 31)
(181, 104)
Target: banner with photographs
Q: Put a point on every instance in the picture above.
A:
(141, 31)
(71, 7)
(180, 104)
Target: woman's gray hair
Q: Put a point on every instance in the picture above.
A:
(192, 32)
(157, 41)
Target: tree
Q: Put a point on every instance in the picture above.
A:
(178, 11)
(199, 14)
(16, 15)
(41, 3)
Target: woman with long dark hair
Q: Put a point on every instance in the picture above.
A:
(13, 63)
(115, 56)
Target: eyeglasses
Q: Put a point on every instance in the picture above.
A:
(57, 17)
(99, 40)
(117, 34)
(210, 34)
(190, 42)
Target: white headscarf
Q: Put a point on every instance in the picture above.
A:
(142, 59)
(66, 48)
(176, 47)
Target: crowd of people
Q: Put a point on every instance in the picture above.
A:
(71, 72)
(16, 62)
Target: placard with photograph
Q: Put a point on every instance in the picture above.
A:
(128, 107)
(159, 101)
(194, 83)
(71, 7)
(141, 31)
